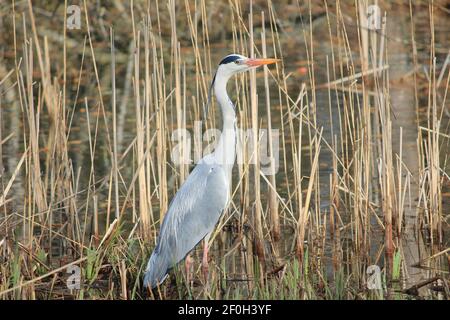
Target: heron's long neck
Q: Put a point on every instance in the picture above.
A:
(225, 152)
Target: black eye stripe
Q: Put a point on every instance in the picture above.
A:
(229, 59)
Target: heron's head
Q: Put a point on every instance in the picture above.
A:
(231, 65)
(236, 63)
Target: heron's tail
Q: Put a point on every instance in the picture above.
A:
(156, 271)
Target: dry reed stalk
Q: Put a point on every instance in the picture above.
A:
(304, 213)
(160, 103)
(123, 279)
(273, 201)
(149, 111)
(91, 181)
(140, 136)
(362, 172)
(176, 65)
(96, 233)
(386, 170)
(115, 168)
(39, 194)
(97, 78)
(434, 121)
(280, 78)
(414, 49)
(5, 191)
(257, 210)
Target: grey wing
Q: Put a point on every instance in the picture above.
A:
(193, 213)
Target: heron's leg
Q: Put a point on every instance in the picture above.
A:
(188, 264)
(205, 257)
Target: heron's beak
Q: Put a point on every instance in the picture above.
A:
(260, 62)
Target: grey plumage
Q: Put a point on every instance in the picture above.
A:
(185, 224)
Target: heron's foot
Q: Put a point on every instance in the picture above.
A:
(188, 265)
(205, 260)
(205, 270)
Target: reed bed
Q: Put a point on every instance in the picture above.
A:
(99, 127)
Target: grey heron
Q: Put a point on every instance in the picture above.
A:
(197, 206)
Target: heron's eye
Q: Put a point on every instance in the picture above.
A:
(237, 62)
